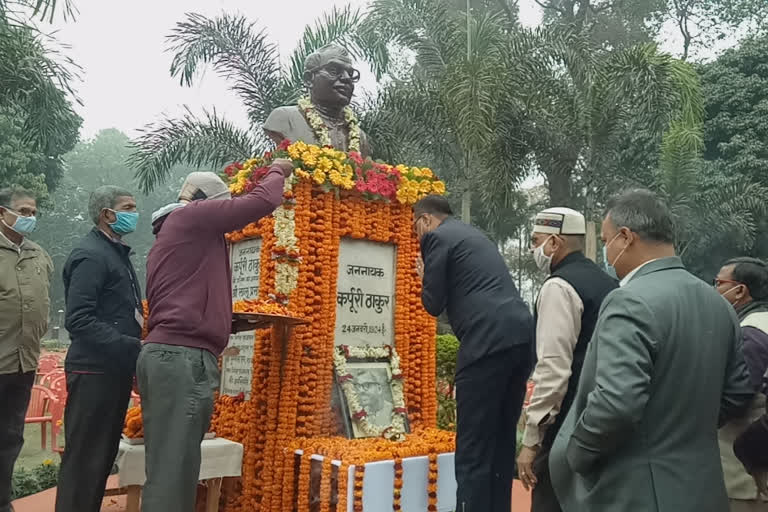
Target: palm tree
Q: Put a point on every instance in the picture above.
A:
(522, 101)
(578, 103)
(711, 209)
(36, 92)
(239, 52)
(447, 108)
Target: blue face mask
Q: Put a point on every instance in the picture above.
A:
(608, 267)
(125, 222)
(23, 225)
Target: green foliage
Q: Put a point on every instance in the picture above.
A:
(37, 122)
(736, 90)
(242, 54)
(32, 481)
(99, 161)
(446, 353)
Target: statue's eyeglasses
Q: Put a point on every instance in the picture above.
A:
(336, 71)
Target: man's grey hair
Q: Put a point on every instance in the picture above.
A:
(7, 195)
(105, 197)
(644, 213)
(575, 242)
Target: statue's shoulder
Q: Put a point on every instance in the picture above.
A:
(283, 118)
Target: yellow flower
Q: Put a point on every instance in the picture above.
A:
(299, 146)
(47, 462)
(250, 163)
(294, 152)
(301, 174)
(318, 176)
(402, 196)
(335, 177)
(425, 187)
(416, 172)
(348, 184)
(438, 187)
(427, 172)
(309, 159)
(324, 164)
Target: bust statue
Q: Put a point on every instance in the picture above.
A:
(325, 117)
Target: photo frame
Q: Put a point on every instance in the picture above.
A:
(369, 387)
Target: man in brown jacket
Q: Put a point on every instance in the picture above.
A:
(25, 270)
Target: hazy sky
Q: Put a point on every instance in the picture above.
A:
(121, 47)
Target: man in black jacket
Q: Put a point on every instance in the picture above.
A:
(104, 320)
(566, 314)
(464, 274)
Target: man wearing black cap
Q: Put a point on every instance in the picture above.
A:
(190, 320)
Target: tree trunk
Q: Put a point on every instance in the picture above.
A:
(466, 206)
(559, 185)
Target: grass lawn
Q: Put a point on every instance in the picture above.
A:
(31, 454)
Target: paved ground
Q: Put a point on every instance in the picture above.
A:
(44, 501)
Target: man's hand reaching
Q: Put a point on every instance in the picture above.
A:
(285, 165)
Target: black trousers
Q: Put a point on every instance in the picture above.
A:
(543, 498)
(489, 400)
(15, 390)
(93, 422)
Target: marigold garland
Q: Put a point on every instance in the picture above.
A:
(357, 504)
(432, 483)
(134, 424)
(332, 195)
(397, 488)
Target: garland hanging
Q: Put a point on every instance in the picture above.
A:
(396, 429)
(321, 129)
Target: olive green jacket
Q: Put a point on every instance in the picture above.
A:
(24, 303)
(663, 370)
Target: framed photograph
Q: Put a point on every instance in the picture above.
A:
(370, 390)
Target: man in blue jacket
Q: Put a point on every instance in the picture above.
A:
(104, 320)
(464, 275)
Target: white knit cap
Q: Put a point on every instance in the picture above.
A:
(208, 183)
(560, 221)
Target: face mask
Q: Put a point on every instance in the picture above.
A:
(23, 225)
(612, 265)
(729, 291)
(125, 222)
(543, 261)
(608, 267)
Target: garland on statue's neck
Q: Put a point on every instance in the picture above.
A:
(320, 129)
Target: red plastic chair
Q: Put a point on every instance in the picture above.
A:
(52, 375)
(47, 364)
(41, 404)
(59, 388)
(57, 419)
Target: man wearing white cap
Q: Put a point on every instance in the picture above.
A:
(566, 313)
(189, 293)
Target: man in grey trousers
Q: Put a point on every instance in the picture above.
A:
(189, 292)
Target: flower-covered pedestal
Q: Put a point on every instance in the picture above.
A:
(339, 252)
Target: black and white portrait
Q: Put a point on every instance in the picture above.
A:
(372, 383)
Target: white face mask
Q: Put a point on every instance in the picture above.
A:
(543, 261)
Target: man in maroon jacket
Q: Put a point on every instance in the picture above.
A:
(189, 291)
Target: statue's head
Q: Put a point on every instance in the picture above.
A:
(330, 77)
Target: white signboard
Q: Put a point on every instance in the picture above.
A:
(365, 293)
(236, 369)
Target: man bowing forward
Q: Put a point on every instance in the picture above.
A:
(464, 274)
